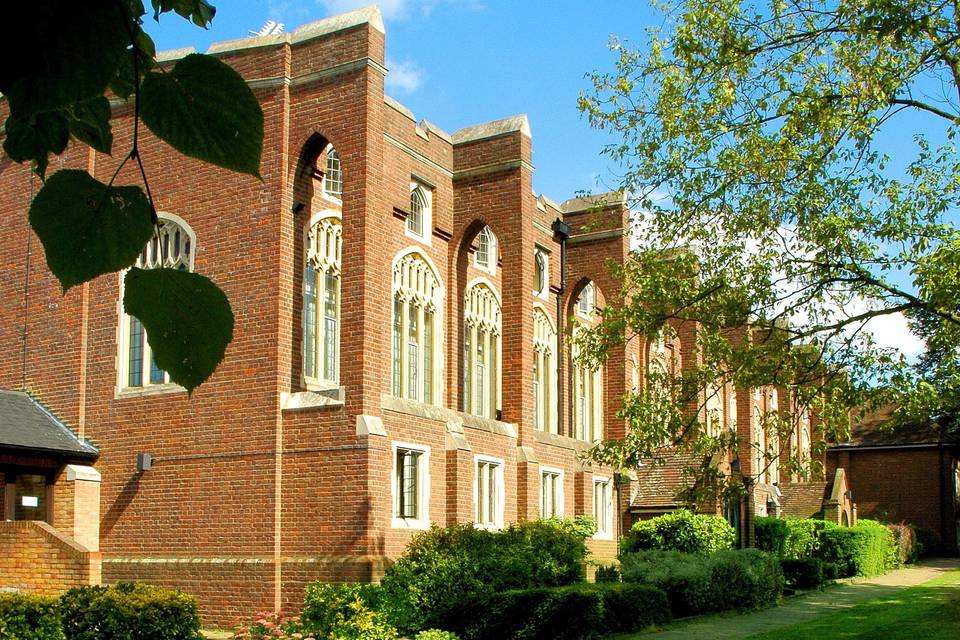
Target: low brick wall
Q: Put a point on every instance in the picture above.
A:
(36, 558)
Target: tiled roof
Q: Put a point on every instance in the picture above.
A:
(803, 499)
(876, 429)
(26, 425)
(659, 484)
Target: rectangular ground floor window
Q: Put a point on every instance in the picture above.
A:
(411, 486)
(603, 507)
(488, 492)
(551, 492)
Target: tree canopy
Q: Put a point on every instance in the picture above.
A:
(83, 60)
(795, 169)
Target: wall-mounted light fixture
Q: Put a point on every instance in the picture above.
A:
(144, 462)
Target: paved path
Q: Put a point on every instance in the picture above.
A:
(803, 608)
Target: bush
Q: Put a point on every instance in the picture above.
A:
(681, 531)
(607, 573)
(131, 611)
(344, 611)
(270, 626)
(906, 542)
(806, 573)
(29, 617)
(745, 579)
(696, 584)
(771, 535)
(446, 574)
(570, 613)
(436, 634)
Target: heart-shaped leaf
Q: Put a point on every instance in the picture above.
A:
(35, 137)
(188, 321)
(77, 48)
(204, 109)
(87, 228)
(90, 123)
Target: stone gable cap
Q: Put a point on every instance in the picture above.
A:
(585, 203)
(492, 129)
(365, 15)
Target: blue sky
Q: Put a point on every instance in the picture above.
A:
(461, 62)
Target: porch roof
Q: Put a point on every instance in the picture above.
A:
(26, 425)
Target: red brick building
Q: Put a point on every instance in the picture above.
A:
(403, 300)
(906, 474)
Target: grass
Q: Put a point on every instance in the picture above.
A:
(929, 611)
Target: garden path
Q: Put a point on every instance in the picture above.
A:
(807, 606)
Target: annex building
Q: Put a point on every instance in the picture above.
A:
(401, 356)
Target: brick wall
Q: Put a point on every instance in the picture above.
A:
(39, 559)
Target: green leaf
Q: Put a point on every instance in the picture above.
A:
(204, 109)
(122, 84)
(200, 12)
(33, 138)
(78, 48)
(90, 123)
(87, 228)
(188, 321)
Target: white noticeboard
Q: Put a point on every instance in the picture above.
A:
(30, 501)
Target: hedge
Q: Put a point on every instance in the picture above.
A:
(682, 531)
(909, 547)
(568, 613)
(445, 572)
(696, 583)
(129, 611)
(868, 549)
(806, 573)
(29, 617)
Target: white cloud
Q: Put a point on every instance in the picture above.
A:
(398, 9)
(893, 332)
(403, 76)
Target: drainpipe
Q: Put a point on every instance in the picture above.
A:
(561, 231)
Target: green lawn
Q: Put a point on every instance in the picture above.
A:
(929, 611)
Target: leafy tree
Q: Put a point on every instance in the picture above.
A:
(763, 142)
(57, 93)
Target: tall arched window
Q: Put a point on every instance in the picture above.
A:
(544, 372)
(587, 396)
(481, 350)
(321, 300)
(172, 247)
(416, 335)
(759, 444)
(586, 301)
(714, 408)
(486, 256)
(333, 175)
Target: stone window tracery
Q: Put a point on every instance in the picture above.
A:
(481, 351)
(321, 300)
(416, 331)
(544, 372)
(172, 247)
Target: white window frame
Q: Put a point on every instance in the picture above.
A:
(492, 251)
(604, 525)
(497, 464)
(338, 199)
(588, 299)
(714, 409)
(123, 329)
(558, 501)
(422, 519)
(320, 381)
(544, 290)
(426, 223)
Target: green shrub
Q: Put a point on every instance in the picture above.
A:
(771, 535)
(681, 531)
(607, 573)
(446, 574)
(270, 626)
(928, 542)
(696, 583)
(684, 578)
(436, 634)
(633, 607)
(745, 579)
(129, 611)
(540, 613)
(26, 616)
(806, 573)
(571, 612)
(344, 611)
